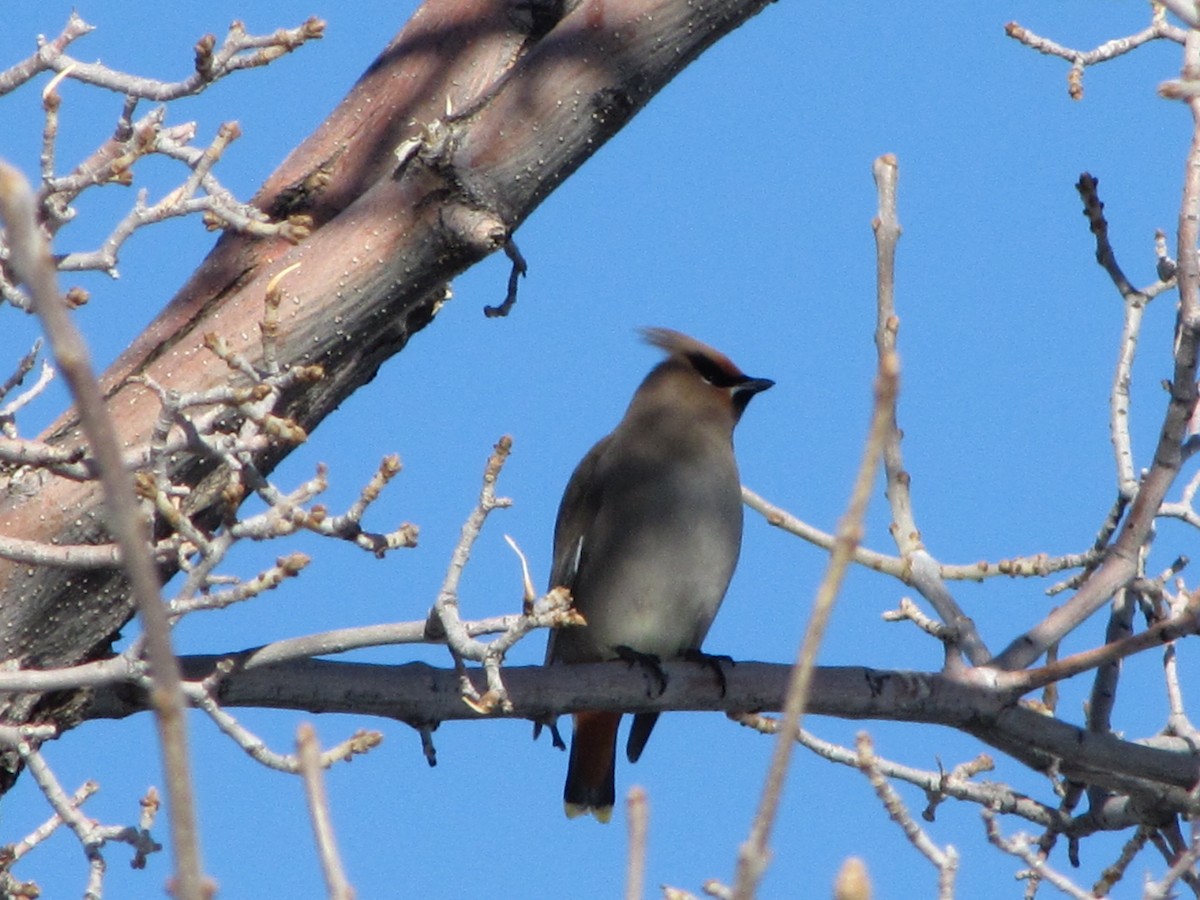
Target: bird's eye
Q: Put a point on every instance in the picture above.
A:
(712, 372)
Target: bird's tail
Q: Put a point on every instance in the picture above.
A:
(591, 772)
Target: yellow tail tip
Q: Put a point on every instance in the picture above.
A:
(602, 814)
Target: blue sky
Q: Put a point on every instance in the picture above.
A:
(736, 208)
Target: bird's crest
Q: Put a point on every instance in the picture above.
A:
(713, 365)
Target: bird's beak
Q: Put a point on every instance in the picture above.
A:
(754, 386)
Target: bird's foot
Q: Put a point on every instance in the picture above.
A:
(556, 740)
(651, 664)
(712, 661)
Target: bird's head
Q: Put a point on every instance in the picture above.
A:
(697, 377)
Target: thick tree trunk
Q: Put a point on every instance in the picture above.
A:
(506, 101)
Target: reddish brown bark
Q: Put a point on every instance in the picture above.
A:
(532, 91)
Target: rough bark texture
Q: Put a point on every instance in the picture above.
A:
(1158, 778)
(508, 99)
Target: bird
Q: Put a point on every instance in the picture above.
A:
(646, 539)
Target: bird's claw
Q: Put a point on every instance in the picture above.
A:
(651, 665)
(712, 661)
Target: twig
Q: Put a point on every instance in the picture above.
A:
(362, 741)
(938, 786)
(1158, 29)
(637, 814)
(24, 367)
(68, 813)
(944, 860)
(1093, 211)
(753, 856)
(910, 612)
(51, 102)
(150, 805)
(92, 674)
(1104, 686)
(285, 567)
(211, 64)
(1035, 566)
(1019, 846)
(348, 526)
(1185, 508)
(1120, 562)
(1181, 869)
(553, 610)
(70, 556)
(30, 258)
(1135, 305)
(923, 569)
(27, 396)
(1178, 722)
(309, 752)
(852, 881)
(48, 827)
(17, 75)
(1114, 873)
(518, 270)
(1096, 555)
(149, 137)
(445, 609)
(1185, 623)
(91, 835)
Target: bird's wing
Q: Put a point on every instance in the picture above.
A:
(576, 512)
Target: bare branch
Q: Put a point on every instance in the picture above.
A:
(10, 409)
(922, 569)
(51, 825)
(211, 64)
(1158, 774)
(637, 814)
(201, 695)
(1182, 868)
(910, 612)
(944, 860)
(444, 619)
(80, 556)
(940, 785)
(30, 258)
(1114, 873)
(1121, 560)
(17, 75)
(1020, 847)
(1159, 29)
(91, 835)
(1135, 302)
(518, 270)
(752, 856)
(1036, 566)
(309, 752)
(1185, 623)
(852, 882)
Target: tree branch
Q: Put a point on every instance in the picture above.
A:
(753, 854)
(419, 694)
(1121, 561)
(525, 110)
(30, 258)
